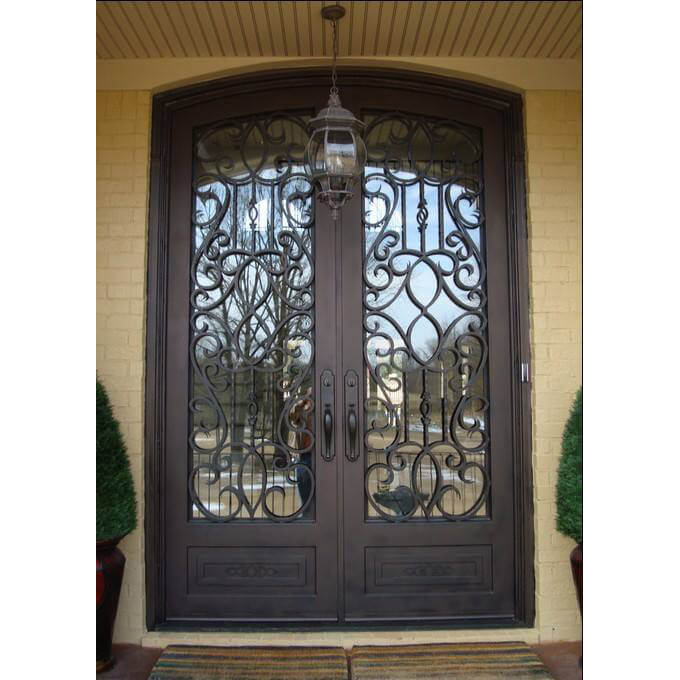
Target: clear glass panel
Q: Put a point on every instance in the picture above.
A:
(341, 156)
(252, 323)
(314, 153)
(425, 342)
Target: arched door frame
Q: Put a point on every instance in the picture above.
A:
(165, 105)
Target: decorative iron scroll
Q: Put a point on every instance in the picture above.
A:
(425, 345)
(252, 322)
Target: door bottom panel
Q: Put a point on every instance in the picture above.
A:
(248, 571)
(428, 571)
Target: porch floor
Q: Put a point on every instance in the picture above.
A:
(134, 662)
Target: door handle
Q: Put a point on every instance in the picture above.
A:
(352, 424)
(352, 433)
(327, 405)
(328, 432)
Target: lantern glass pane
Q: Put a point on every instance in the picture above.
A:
(340, 152)
(360, 154)
(314, 154)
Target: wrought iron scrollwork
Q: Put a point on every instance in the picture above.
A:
(252, 322)
(424, 321)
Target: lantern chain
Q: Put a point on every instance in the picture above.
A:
(334, 75)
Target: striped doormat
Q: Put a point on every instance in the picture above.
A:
(189, 662)
(477, 661)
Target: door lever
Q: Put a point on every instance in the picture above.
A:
(327, 405)
(351, 405)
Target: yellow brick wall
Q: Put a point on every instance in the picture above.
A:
(553, 169)
(123, 127)
(553, 127)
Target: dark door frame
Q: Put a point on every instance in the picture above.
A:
(165, 105)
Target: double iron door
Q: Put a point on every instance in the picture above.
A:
(338, 442)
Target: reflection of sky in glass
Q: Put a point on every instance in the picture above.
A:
(423, 279)
(253, 295)
(425, 376)
(269, 221)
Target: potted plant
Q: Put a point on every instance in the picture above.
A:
(116, 517)
(570, 490)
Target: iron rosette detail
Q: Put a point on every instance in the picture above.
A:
(424, 321)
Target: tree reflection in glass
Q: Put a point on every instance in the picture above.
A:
(252, 323)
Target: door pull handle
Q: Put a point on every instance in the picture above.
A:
(352, 432)
(352, 424)
(327, 405)
(328, 432)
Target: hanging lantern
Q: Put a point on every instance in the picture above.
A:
(335, 155)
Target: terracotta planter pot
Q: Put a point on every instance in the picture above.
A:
(110, 565)
(577, 572)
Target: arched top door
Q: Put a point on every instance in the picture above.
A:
(337, 423)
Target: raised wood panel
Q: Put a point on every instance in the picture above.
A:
(139, 30)
(251, 570)
(428, 570)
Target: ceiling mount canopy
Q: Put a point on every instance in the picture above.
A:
(333, 12)
(335, 155)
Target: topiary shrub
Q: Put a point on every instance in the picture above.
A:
(116, 506)
(570, 474)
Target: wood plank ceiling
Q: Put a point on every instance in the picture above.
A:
(139, 30)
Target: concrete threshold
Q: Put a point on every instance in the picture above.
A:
(335, 638)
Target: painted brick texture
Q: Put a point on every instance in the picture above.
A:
(554, 205)
(123, 128)
(553, 127)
